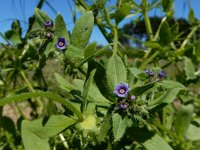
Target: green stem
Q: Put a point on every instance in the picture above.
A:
(155, 37)
(182, 48)
(63, 140)
(10, 140)
(164, 119)
(150, 59)
(27, 81)
(107, 17)
(103, 31)
(82, 2)
(115, 41)
(147, 21)
(38, 101)
(24, 96)
(20, 111)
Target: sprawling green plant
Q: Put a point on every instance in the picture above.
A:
(105, 98)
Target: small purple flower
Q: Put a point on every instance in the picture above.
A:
(123, 105)
(48, 24)
(161, 74)
(146, 71)
(133, 97)
(48, 35)
(121, 90)
(149, 72)
(61, 43)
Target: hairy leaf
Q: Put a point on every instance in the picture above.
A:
(82, 30)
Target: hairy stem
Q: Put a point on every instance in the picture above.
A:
(115, 45)
(55, 97)
(38, 101)
(146, 20)
(187, 39)
(82, 2)
(63, 140)
(150, 59)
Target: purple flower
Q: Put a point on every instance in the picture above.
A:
(161, 74)
(149, 72)
(61, 43)
(146, 71)
(121, 90)
(133, 97)
(123, 105)
(48, 24)
(49, 35)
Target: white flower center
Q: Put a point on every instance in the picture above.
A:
(60, 43)
(121, 91)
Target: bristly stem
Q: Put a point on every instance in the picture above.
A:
(107, 18)
(147, 24)
(82, 2)
(150, 59)
(115, 44)
(19, 97)
(63, 140)
(187, 39)
(114, 31)
(146, 20)
(38, 101)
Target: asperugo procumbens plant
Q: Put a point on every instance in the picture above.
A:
(103, 99)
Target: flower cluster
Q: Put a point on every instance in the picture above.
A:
(61, 43)
(122, 91)
(151, 73)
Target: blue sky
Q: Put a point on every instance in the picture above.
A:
(23, 9)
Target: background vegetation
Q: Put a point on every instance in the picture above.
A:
(141, 91)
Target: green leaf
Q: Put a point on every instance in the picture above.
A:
(168, 84)
(88, 83)
(74, 53)
(82, 30)
(156, 143)
(193, 133)
(101, 82)
(183, 119)
(105, 127)
(191, 16)
(115, 72)
(13, 36)
(141, 89)
(165, 34)
(174, 30)
(122, 12)
(8, 125)
(32, 141)
(167, 5)
(96, 96)
(50, 127)
(63, 83)
(41, 17)
(189, 69)
(89, 50)
(119, 126)
(104, 51)
(166, 98)
(60, 28)
(50, 48)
